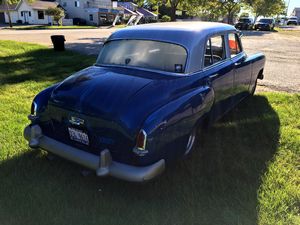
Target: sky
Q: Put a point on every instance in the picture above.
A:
(293, 4)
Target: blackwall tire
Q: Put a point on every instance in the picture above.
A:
(254, 88)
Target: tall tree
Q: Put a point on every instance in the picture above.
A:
(174, 5)
(7, 4)
(231, 7)
(267, 7)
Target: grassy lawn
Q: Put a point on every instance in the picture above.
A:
(248, 174)
(290, 32)
(43, 27)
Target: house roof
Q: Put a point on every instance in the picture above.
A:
(128, 11)
(146, 12)
(10, 7)
(43, 5)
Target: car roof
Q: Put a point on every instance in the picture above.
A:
(184, 33)
(191, 35)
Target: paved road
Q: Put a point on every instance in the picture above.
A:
(86, 41)
(282, 71)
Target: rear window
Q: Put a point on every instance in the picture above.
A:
(144, 54)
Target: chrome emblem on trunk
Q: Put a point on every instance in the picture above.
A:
(76, 121)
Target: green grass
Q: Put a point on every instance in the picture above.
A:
(120, 26)
(43, 27)
(295, 33)
(244, 170)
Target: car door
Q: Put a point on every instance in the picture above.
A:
(218, 68)
(242, 67)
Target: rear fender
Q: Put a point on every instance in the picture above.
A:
(169, 126)
(258, 61)
(42, 98)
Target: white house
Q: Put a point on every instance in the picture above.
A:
(296, 12)
(99, 12)
(29, 13)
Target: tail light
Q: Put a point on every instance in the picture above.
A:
(33, 108)
(141, 140)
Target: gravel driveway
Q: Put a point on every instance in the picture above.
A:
(282, 71)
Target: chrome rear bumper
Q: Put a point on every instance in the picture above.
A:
(102, 164)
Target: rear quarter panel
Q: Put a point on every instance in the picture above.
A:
(257, 66)
(169, 127)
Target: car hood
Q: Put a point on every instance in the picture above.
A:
(114, 94)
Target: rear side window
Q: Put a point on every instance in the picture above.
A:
(215, 51)
(234, 45)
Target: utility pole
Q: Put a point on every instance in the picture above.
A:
(287, 8)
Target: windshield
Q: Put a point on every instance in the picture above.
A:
(265, 21)
(144, 54)
(244, 20)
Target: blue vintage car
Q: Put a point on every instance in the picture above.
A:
(138, 108)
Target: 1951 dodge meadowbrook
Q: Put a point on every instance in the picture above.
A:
(138, 108)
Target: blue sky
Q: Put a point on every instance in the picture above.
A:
(293, 4)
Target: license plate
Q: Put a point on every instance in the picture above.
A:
(78, 135)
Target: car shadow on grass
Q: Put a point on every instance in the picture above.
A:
(41, 65)
(218, 184)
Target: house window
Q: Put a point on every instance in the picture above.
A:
(29, 13)
(76, 3)
(41, 15)
(91, 17)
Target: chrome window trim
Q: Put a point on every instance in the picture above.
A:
(187, 60)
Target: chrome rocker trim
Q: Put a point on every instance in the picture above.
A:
(103, 164)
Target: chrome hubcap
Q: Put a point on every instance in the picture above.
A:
(190, 143)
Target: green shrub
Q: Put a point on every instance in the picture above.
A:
(165, 18)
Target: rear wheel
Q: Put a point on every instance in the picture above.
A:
(254, 88)
(190, 143)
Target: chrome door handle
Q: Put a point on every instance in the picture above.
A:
(238, 63)
(213, 76)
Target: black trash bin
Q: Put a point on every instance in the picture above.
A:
(58, 42)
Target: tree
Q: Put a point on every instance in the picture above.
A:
(57, 14)
(231, 7)
(174, 5)
(267, 7)
(6, 3)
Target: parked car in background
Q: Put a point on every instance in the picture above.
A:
(245, 24)
(293, 20)
(265, 24)
(139, 107)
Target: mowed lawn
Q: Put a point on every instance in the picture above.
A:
(244, 170)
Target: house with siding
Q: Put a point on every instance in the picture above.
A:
(296, 12)
(94, 12)
(99, 12)
(28, 13)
